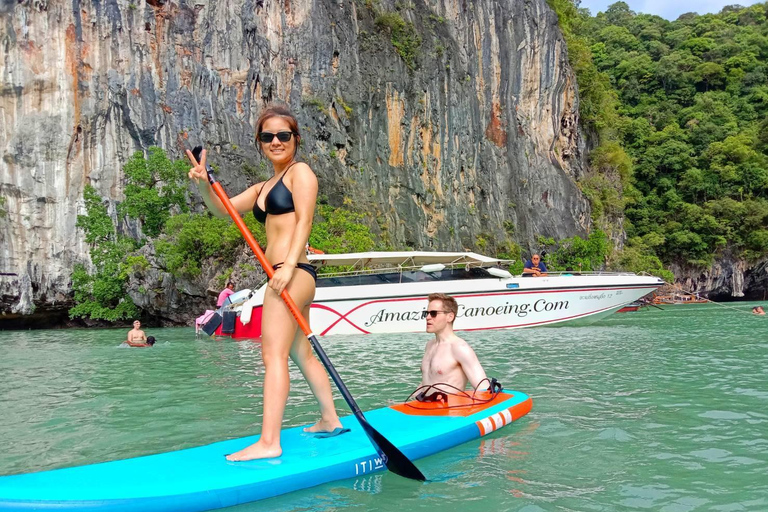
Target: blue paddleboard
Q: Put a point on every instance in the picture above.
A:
(201, 478)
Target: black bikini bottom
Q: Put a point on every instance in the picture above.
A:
(306, 267)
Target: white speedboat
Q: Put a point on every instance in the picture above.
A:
(386, 292)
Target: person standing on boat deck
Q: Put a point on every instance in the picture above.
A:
(226, 292)
(448, 359)
(285, 204)
(535, 267)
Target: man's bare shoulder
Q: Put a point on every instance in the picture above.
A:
(460, 345)
(459, 341)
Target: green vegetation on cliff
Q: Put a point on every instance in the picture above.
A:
(688, 103)
(404, 36)
(100, 293)
(155, 187)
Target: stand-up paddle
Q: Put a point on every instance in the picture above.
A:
(394, 459)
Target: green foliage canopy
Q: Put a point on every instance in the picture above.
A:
(155, 186)
(190, 239)
(578, 254)
(691, 112)
(100, 294)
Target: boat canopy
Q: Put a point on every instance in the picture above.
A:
(405, 259)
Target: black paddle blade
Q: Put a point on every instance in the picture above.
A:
(197, 152)
(396, 462)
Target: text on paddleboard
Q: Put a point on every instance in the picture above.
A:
(369, 465)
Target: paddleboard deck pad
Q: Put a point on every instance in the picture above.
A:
(201, 478)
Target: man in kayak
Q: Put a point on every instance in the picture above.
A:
(448, 359)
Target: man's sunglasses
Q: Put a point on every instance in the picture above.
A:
(432, 312)
(267, 137)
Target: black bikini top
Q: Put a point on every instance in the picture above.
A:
(279, 200)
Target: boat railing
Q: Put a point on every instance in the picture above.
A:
(452, 266)
(399, 269)
(567, 273)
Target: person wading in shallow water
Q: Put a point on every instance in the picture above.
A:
(285, 203)
(136, 337)
(448, 359)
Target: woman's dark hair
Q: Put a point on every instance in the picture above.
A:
(284, 113)
(150, 340)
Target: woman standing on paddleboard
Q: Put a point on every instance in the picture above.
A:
(285, 204)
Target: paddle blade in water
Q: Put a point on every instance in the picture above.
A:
(397, 462)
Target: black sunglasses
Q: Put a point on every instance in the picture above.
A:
(267, 137)
(432, 312)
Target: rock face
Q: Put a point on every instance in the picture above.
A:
(165, 299)
(450, 121)
(728, 278)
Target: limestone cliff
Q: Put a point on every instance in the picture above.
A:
(447, 120)
(729, 277)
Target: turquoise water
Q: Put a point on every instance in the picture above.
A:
(653, 410)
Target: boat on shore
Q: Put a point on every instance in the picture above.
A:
(386, 292)
(679, 298)
(632, 306)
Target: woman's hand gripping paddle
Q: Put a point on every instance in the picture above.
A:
(394, 459)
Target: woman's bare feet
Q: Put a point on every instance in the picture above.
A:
(324, 426)
(256, 451)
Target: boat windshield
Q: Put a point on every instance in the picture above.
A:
(449, 274)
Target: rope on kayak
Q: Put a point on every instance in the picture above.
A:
(438, 394)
